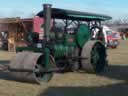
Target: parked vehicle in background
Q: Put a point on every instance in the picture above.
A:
(112, 38)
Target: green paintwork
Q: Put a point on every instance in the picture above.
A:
(19, 49)
(83, 35)
(65, 47)
(70, 40)
(89, 17)
(61, 50)
(75, 15)
(47, 76)
(47, 57)
(95, 56)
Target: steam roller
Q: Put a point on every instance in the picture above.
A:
(59, 49)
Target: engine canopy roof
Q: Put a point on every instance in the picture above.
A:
(75, 15)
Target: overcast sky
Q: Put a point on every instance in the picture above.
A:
(24, 8)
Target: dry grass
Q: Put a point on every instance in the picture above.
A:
(112, 82)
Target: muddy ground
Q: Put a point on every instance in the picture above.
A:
(112, 82)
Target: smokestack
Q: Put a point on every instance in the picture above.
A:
(47, 20)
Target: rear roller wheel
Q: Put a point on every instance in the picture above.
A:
(95, 53)
(30, 61)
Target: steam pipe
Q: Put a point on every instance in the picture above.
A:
(47, 20)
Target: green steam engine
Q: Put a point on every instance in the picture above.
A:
(69, 47)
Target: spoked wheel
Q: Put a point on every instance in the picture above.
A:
(30, 61)
(45, 77)
(95, 54)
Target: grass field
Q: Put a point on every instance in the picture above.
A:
(112, 82)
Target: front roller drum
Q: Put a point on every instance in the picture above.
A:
(95, 52)
(30, 61)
